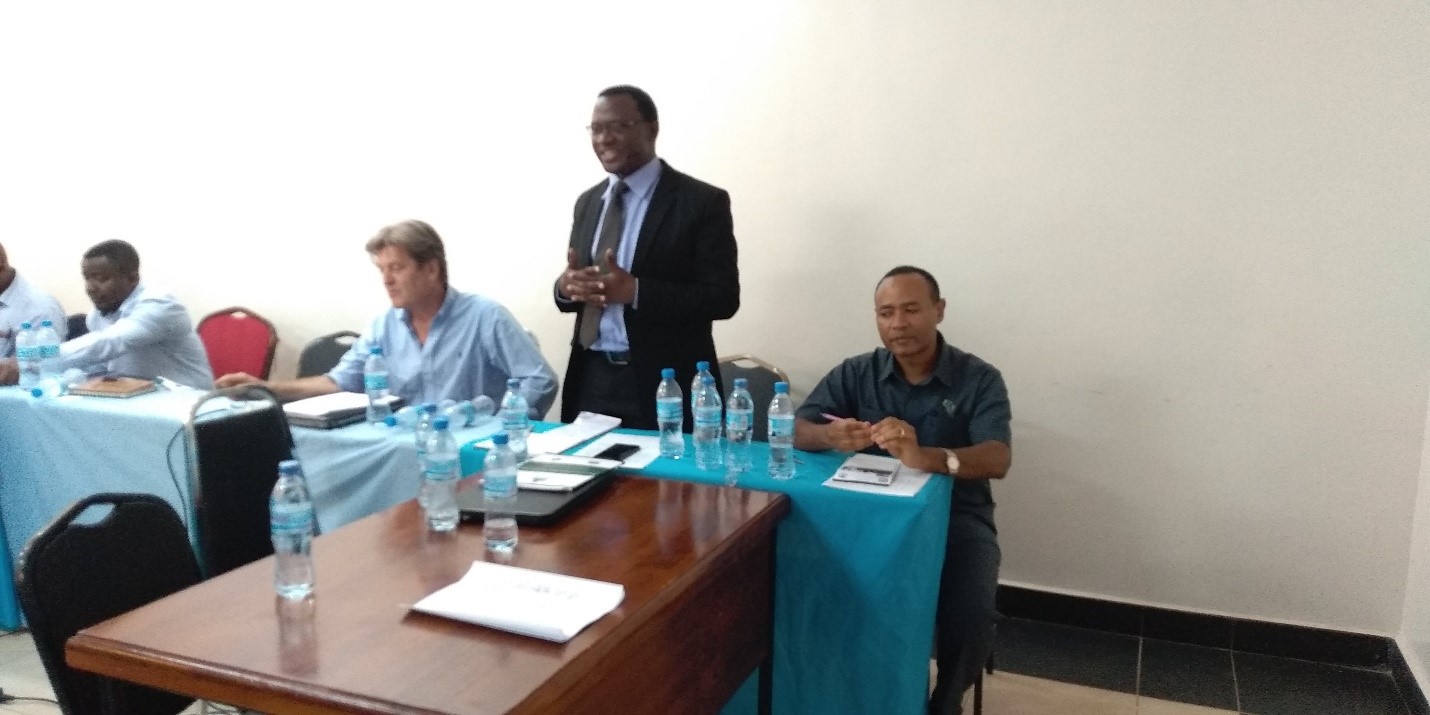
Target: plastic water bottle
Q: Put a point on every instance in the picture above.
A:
(292, 524)
(374, 381)
(702, 370)
(467, 412)
(426, 415)
(406, 418)
(781, 433)
(27, 354)
(669, 415)
(705, 406)
(440, 472)
(47, 339)
(739, 427)
(56, 385)
(515, 418)
(499, 496)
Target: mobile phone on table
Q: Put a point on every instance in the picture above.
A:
(618, 452)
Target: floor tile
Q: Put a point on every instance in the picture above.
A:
(1070, 655)
(1153, 706)
(1271, 685)
(1187, 674)
(1013, 694)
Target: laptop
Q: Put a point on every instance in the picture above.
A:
(540, 502)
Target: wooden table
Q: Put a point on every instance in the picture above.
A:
(696, 562)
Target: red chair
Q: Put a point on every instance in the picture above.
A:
(238, 340)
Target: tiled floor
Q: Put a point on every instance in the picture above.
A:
(1146, 675)
(1045, 669)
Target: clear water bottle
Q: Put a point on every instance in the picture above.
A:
(515, 418)
(702, 370)
(292, 523)
(739, 427)
(499, 495)
(374, 381)
(56, 385)
(467, 412)
(781, 433)
(406, 418)
(47, 339)
(424, 417)
(669, 415)
(706, 408)
(27, 354)
(441, 469)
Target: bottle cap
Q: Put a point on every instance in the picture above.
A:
(289, 467)
(26, 325)
(513, 383)
(741, 383)
(37, 392)
(390, 420)
(441, 423)
(667, 373)
(781, 388)
(500, 439)
(430, 408)
(375, 350)
(47, 324)
(702, 365)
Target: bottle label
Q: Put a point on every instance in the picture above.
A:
(667, 410)
(707, 416)
(291, 519)
(441, 469)
(513, 421)
(375, 382)
(49, 352)
(27, 353)
(499, 486)
(782, 426)
(738, 420)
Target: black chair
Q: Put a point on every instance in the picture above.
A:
(76, 326)
(238, 436)
(74, 575)
(321, 354)
(761, 378)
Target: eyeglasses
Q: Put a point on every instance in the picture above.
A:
(619, 129)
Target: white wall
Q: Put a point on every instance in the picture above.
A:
(1193, 235)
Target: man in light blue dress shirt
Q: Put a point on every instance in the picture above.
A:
(23, 302)
(440, 343)
(134, 329)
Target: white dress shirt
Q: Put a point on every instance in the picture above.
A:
(149, 335)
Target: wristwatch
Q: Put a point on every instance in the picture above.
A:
(950, 462)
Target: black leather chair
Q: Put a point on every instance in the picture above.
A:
(76, 326)
(238, 436)
(73, 575)
(761, 378)
(322, 353)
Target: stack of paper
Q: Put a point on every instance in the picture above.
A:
(560, 439)
(532, 603)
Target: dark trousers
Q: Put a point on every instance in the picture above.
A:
(611, 389)
(966, 607)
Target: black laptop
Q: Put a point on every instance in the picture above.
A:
(540, 505)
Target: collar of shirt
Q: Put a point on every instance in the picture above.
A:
(442, 311)
(125, 306)
(943, 370)
(640, 183)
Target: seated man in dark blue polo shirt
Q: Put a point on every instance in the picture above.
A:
(942, 410)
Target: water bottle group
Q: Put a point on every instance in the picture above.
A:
(37, 350)
(733, 451)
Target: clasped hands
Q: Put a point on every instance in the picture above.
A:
(891, 434)
(600, 284)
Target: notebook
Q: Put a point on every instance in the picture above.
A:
(561, 472)
(111, 386)
(868, 469)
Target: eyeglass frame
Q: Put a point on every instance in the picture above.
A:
(618, 128)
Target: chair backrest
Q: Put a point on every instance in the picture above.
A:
(238, 340)
(76, 325)
(73, 575)
(322, 353)
(237, 445)
(761, 377)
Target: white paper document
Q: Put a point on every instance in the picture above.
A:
(560, 439)
(532, 603)
(907, 481)
(649, 448)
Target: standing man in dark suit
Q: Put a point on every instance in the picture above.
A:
(651, 265)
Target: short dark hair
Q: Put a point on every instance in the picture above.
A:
(644, 103)
(120, 253)
(914, 270)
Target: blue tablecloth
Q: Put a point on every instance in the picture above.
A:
(856, 586)
(53, 452)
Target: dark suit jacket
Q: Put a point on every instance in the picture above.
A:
(685, 261)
